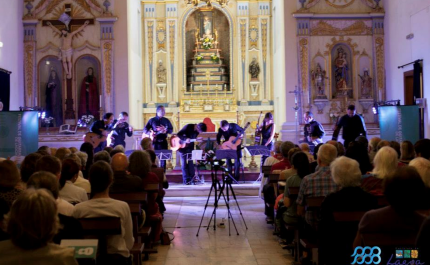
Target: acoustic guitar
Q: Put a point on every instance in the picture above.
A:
(94, 138)
(234, 141)
(177, 143)
(257, 140)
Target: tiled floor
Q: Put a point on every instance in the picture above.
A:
(256, 245)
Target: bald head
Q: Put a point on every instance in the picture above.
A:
(119, 162)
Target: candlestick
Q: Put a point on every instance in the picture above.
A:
(100, 101)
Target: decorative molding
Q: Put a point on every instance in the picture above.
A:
(348, 42)
(50, 46)
(172, 10)
(172, 29)
(29, 53)
(369, 3)
(94, 5)
(107, 65)
(150, 40)
(41, 6)
(322, 28)
(243, 9)
(333, 3)
(264, 38)
(87, 45)
(243, 39)
(160, 36)
(379, 44)
(253, 33)
(264, 8)
(311, 3)
(149, 11)
(304, 63)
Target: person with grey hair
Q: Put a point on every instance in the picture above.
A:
(284, 163)
(422, 165)
(81, 159)
(102, 156)
(317, 184)
(337, 238)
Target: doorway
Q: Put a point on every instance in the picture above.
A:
(408, 79)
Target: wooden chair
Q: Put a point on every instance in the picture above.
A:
(266, 171)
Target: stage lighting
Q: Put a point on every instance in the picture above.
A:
(375, 109)
(43, 115)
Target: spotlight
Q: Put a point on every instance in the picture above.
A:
(1, 44)
(375, 109)
(43, 114)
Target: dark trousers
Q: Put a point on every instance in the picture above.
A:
(162, 145)
(187, 167)
(100, 147)
(236, 164)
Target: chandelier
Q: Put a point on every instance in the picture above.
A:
(223, 3)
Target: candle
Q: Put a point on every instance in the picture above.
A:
(35, 101)
(100, 101)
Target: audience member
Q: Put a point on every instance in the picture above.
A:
(123, 182)
(4, 209)
(100, 204)
(423, 241)
(358, 152)
(319, 183)
(396, 146)
(115, 151)
(285, 174)
(146, 144)
(68, 191)
(73, 149)
(102, 156)
(284, 163)
(336, 238)
(81, 181)
(28, 166)
(422, 148)
(162, 177)
(62, 152)
(119, 148)
(32, 224)
(89, 150)
(373, 147)
(314, 165)
(9, 180)
(108, 149)
(53, 151)
(305, 149)
(407, 152)
(385, 163)
(422, 165)
(49, 163)
(398, 222)
(276, 156)
(44, 150)
(383, 143)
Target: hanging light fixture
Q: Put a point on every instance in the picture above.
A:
(222, 3)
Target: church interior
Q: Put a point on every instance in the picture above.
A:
(302, 75)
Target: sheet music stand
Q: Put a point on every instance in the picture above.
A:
(256, 150)
(198, 155)
(163, 154)
(227, 154)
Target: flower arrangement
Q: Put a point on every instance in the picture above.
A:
(214, 58)
(199, 58)
(85, 120)
(47, 121)
(207, 43)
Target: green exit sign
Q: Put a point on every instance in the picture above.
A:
(84, 248)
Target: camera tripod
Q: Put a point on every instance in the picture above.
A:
(218, 188)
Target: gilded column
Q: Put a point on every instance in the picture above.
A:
(378, 50)
(30, 72)
(173, 69)
(303, 44)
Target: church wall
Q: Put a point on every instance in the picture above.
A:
(11, 54)
(403, 18)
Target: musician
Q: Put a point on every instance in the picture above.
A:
(189, 132)
(227, 130)
(161, 127)
(352, 124)
(120, 129)
(267, 130)
(102, 128)
(313, 131)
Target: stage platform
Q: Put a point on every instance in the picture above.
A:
(175, 176)
(247, 188)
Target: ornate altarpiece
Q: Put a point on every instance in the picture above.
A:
(337, 42)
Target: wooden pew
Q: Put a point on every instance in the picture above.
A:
(266, 171)
(293, 192)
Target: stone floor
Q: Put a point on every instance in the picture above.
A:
(255, 245)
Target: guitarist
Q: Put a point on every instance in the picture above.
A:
(120, 129)
(267, 134)
(227, 130)
(161, 127)
(190, 131)
(313, 131)
(102, 128)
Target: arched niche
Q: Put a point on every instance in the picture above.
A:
(51, 90)
(83, 63)
(341, 70)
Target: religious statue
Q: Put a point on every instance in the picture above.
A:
(89, 99)
(207, 25)
(54, 98)
(341, 70)
(254, 69)
(318, 78)
(161, 73)
(66, 46)
(366, 84)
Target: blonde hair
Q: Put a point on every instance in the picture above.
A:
(32, 221)
(327, 153)
(304, 147)
(422, 165)
(373, 143)
(385, 162)
(62, 152)
(345, 172)
(119, 148)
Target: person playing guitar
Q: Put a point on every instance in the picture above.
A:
(227, 130)
(267, 130)
(119, 130)
(313, 131)
(186, 135)
(159, 127)
(101, 128)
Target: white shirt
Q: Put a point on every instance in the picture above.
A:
(72, 194)
(64, 207)
(103, 207)
(83, 183)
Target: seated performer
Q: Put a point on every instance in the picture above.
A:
(161, 127)
(102, 128)
(313, 131)
(227, 130)
(120, 129)
(190, 131)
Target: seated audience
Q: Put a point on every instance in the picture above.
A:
(68, 191)
(82, 161)
(32, 224)
(102, 156)
(422, 165)
(317, 184)
(70, 228)
(163, 181)
(396, 146)
(422, 148)
(407, 152)
(146, 144)
(108, 149)
(9, 179)
(62, 152)
(276, 154)
(4, 209)
(100, 205)
(285, 174)
(385, 163)
(44, 150)
(314, 165)
(122, 180)
(398, 222)
(119, 148)
(49, 163)
(28, 166)
(284, 163)
(373, 148)
(423, 241)
(73, 149)
(53, 151)
(89, 150)
(383, 143)
(336, 238)
(358, 152)
(305, 149)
